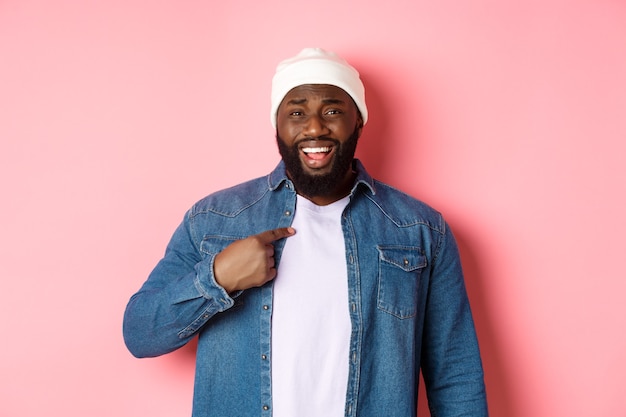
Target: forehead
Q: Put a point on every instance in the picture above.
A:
(307, 92)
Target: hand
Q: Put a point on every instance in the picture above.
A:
(248, 262)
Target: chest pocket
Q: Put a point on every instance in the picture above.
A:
(212, 245)
(399, 271)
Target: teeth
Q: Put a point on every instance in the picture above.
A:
(321, 149)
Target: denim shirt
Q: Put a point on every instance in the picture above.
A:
(407, 302)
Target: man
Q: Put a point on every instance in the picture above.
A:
(316, 290)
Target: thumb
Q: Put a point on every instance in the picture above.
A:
(270, 236)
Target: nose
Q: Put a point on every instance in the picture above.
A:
(315, 126)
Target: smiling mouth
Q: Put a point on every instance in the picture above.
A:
(318, 152)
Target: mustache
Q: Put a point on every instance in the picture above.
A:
(320, 138)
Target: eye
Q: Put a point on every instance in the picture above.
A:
(333, 111)
(296, 113)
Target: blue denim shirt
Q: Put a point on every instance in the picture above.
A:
(407, 301)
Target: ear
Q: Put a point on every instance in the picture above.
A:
(359, 124)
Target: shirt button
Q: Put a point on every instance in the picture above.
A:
(265, 407)
(266, 307)
(406, 262)
(287, 213)
(264, 357)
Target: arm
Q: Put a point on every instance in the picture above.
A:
(183, 292)
(451, 361)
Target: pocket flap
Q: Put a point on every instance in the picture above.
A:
(212, 245)
(404, 257)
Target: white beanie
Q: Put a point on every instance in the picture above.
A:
(317, 66)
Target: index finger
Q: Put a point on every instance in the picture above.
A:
(270, 236)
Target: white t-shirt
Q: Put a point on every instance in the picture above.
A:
(310, 320)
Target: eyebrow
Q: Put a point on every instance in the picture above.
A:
(298, 101)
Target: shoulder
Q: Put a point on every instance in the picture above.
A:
(403, 209)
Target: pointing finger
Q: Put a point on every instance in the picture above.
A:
(270, 236)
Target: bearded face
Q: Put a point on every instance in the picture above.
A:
(317, 130)
(324, 183)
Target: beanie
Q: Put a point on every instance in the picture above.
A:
(316, 66)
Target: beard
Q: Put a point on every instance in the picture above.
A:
(319, 185)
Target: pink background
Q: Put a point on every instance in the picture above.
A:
(507, 116)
